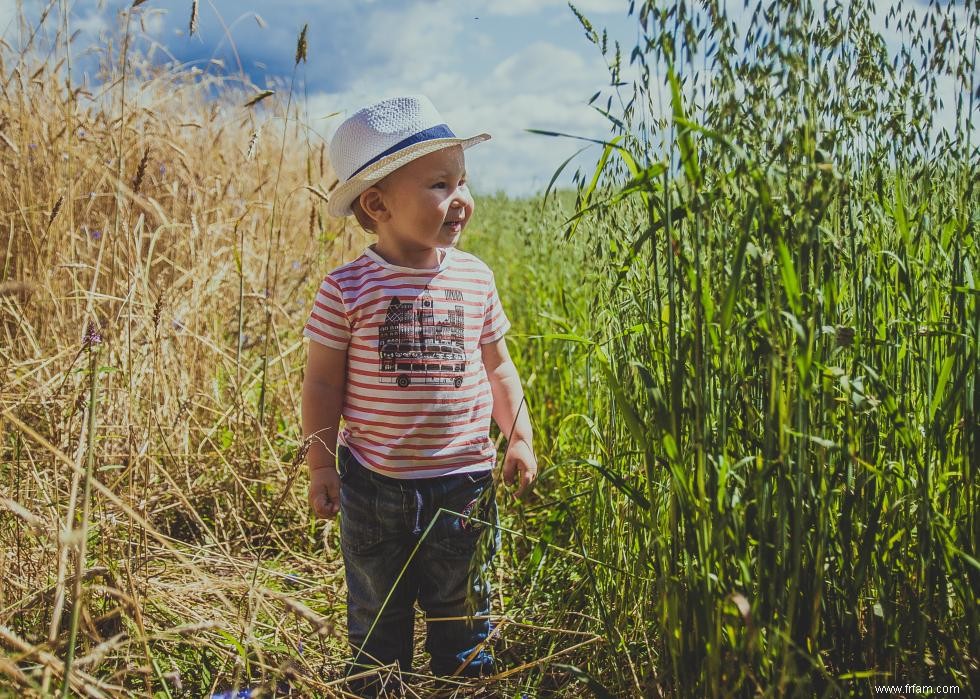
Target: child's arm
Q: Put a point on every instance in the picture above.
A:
(323, 398)
(510, 411)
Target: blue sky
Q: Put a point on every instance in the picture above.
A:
(500, 67)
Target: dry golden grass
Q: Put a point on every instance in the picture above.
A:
(163, 236)
(151, 231)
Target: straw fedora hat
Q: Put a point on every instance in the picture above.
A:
(380, 138)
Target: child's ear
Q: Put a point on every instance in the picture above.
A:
(363, 220)
(373, 206)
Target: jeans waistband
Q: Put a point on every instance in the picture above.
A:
(347, 462)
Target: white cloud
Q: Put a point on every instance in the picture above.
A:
(543, 66)
(411, 42)
(543, 86)
(435, 48)
(512, 8)
(92, 24)
(8, 17)
(153, 21)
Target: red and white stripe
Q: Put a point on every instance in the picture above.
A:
(421, 430)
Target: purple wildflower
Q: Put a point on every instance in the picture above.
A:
(93, 335)
(240, 694)
(95, 234)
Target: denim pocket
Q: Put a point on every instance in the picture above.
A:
(344, 459)
(472, 510)
(481, 476)
(360, 528)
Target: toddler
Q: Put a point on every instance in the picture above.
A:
(408, 347)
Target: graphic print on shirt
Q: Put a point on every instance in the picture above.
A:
(416, 349)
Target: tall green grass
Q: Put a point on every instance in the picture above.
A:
(756, 366)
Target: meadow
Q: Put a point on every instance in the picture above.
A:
(749, 341)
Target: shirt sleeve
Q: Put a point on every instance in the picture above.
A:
(495, 323)
(329, 323)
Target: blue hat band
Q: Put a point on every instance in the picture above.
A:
(430, 134)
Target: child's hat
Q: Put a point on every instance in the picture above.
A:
(379, 139)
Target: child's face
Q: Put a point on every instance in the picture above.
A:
(427, 202)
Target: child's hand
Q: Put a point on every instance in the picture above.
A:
(520, 458)
(324, 495)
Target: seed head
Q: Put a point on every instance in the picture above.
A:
(57, 208)
(192, 25)
(301, 45)
(253, 143)
(173, 677)
(157, 308)
(141, 170)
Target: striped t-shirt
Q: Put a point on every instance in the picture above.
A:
(417, 402)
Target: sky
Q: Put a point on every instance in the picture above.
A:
(496, 66)
(499, 67)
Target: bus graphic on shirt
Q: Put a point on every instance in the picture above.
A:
(415, 348)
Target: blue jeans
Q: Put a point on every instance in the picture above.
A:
(383, 521)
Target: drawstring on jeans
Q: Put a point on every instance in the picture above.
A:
(418, 512)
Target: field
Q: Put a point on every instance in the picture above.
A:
(749, 342)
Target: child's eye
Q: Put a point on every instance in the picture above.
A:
(439, 185)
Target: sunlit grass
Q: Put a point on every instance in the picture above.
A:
(768, 359)
(749, 345)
